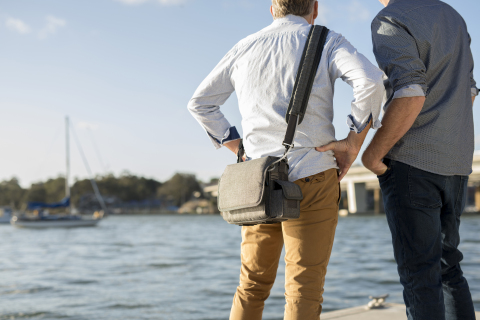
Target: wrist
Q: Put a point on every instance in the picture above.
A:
(352, 147)
(233, 145)
(369, 159)
(355, 141)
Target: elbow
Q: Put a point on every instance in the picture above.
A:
(376, 84)
(418, 101)
(193, 107)
(379, 83)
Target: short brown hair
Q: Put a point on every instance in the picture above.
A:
(301, 8)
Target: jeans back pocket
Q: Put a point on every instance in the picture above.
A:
(425, 188)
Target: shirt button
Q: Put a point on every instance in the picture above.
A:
(307, 179)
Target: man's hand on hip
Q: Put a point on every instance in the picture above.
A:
(233, 146)
(344, 153)
(346, 150)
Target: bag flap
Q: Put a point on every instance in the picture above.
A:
(291, 191)
(242, 184)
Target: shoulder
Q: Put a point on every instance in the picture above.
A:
(333, 39)
(333, 36)
(409, 11)
(393, 12)
(336, 41)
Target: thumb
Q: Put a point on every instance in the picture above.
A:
(327, 147)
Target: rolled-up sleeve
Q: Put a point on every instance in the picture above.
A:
(347, 63)
(397, 55)
(207, 99)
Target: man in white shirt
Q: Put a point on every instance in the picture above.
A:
(262, 69)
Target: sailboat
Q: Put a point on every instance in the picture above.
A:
(67, 220)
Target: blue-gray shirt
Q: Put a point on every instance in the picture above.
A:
(423, 46)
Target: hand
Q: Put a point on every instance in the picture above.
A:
(373, 164)
(344, 152)
(233, 146)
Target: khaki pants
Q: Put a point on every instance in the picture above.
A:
(308, 245)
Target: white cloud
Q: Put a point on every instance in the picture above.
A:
(17, 25)
(162, 2)
(171, 2)
(88, 125)
(358, 12)
(53, 24)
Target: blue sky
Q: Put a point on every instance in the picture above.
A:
(124, 70)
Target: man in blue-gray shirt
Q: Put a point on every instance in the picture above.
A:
(426, 143)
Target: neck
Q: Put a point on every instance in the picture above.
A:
(309, 19)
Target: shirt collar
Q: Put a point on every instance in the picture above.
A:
(290, 19)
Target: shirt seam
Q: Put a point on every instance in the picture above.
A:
(241, 45)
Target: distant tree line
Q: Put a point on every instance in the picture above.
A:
(126, 187)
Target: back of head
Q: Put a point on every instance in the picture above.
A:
(301, 8)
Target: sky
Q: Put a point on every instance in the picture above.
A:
(124, 71)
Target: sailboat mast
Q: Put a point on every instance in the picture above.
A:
(67, 152)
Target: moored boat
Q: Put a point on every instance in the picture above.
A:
(65, 221)
(39, 217)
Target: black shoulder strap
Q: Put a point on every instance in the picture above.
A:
(312, 53)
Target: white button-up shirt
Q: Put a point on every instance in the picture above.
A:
(262, 69)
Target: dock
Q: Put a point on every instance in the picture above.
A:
(391, 311)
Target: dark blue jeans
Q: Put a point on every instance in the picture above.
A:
(423, 212)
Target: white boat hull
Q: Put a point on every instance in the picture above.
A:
(4, 220)
(55, 224)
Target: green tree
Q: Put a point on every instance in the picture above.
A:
(180, 188)
(11, 193)
(127, 187)
(55, 189)
(36, 193)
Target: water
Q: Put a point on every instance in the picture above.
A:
(181, 267)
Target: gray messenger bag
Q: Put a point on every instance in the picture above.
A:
(258, 191)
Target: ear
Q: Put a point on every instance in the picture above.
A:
(315, 10)
(271, 11)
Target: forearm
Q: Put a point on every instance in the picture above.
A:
(356, 140)
(473, 99)
(398, 119)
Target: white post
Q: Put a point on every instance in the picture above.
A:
(352, 199)
(361, 197)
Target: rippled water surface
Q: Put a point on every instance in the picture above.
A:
(182, 267)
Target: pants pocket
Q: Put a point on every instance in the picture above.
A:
(425, 188)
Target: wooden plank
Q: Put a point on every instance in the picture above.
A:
(392, 311)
